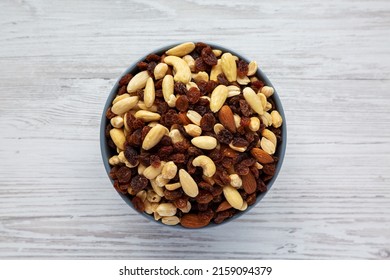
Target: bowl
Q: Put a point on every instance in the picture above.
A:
(108, 152)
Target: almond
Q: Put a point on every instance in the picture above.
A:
(261, 156)
(182, 49)
(223, 206)
(233, 197)
(249, 183)
(193, 221)
(227, 119)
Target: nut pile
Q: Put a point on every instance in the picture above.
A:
(194, 133)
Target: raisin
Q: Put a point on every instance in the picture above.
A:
(205, 186)
(200, 46)
(155, 161)
(144, 159)
(134, 123)
(208, 56)
(201, 109)
(142, 65)
(135, 139)
(170, 118)
(138, 204)
(206, 215)
(110, 114)
(122, 188)
(203, 206)
(166, 140)
(158, 84)
(145, 131)
(111, 144)
(165, 151)
(245, 122)
(239, 142)
(203, 102)
(140, 93)
(151, 67)
(204, 196)
(225, 136)
(256, 85)
(122, 90)
(211, 85)
(125, 80)
(162, 107)
(216, 191)
(269, 169)
(242, 68)
(248, 162)
(131, 155)
(181, 202)
(200, 65)
(113, 172)
(193, 151)
(153, 57)
(159, 93)
(223, 215)
(181, 147)
(216, 155)
(178, 158)
(245, 108)
(251, 199)
(202, 85)
(180, 88)
(222, 79)
(183, 119)
(190, 168)
(227, 163)
(254, 142)
(193, 95)
(123, 174)
(182, 103)
(138, 183)
(107, 130)
(254, 171)
(261, 187)
(173, 195)
(207, 122)
(241, 169)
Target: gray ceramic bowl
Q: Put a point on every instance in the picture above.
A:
(107, 152)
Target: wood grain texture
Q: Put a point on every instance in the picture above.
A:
(329, 61)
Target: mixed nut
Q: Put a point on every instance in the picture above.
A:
(194, 133)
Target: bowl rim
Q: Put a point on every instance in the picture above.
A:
(104, 149)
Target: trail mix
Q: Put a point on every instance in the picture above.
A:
(195, 133)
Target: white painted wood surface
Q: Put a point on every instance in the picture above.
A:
(329, 60)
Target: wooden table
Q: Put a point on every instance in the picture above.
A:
(329, 61)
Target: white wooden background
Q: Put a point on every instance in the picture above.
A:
(329, 60)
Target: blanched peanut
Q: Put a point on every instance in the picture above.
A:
(176, 136)
(152, 172)
(267, 91)
(152, 196)
(194, 116)
(166, 209)
(276, 119)
(172, 187)
(169, 170)
(114, 160)
(161, 181)
(235, 180)
(158, 190)
(187, 208)
(117, 122)
(254, 124)
(193, 130)
(170, 221)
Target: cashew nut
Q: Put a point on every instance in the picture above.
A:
(181, 68)
(207, 165)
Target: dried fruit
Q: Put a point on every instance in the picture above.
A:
(207, 122)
